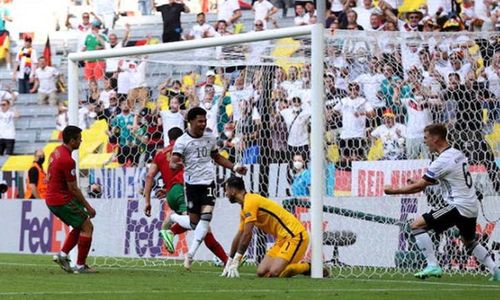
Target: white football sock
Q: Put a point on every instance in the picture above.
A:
(173, 217)
(182, 220)
(484, 257)
(425, 244)
(199, 235)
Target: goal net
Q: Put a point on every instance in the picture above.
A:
(259, 101)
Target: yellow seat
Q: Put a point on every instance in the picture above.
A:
(47, 150)
(229, 110)
(332, 153)
(239, 28)
(99, 125)
(494, 139)
(94, 139)
(89, 147)
(283, 51)
(18, 163)
(342, 193)
(376, 152)
(95, 160)
(54, 136)
(163, 102)
(410, 5)
(112, 165)
(190, 80)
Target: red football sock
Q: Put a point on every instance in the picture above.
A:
(177, 229)
(215, 247)
(71, 241)
(84, 243)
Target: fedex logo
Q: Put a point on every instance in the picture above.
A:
(140, 232)
(141, 235)
(40, 234)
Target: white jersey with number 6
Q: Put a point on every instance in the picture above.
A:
(451, 170)
(196, 152)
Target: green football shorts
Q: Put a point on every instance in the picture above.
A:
(72, 214)
(175, 199)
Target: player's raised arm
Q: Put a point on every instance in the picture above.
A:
(153, 170)
(412, 188)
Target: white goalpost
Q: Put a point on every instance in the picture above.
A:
(317, 112)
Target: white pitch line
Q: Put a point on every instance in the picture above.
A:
(420, 281)
(331, 290)
(247, 274)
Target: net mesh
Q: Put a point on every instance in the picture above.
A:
(259, 105)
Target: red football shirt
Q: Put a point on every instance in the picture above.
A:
(162, 160)
(61, 171)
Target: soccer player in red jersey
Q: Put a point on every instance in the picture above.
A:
(66, 201)
(174, 188)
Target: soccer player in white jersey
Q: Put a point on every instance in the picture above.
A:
(197, 150)
(451, 170)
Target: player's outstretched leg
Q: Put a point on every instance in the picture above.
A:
(215, 247)
(484, 257)
(188, 261)
(295, 269)
(84, 243)
(301, 268)
(167, 235)
(182, 220)
(61, 258)
(425, 244)
(200, 231)
(496, 275)
(168, 239)
(173, 225)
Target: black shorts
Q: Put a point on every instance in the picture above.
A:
(448, 216)
(198, 195)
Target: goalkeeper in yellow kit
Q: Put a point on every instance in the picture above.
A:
(292, 239)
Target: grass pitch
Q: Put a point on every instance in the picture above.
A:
(37, 277)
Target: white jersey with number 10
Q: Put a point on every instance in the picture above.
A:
(451, 170)
(196, 153)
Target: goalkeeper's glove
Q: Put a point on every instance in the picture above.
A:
(232, 269)
(226, 267)
(232, 272)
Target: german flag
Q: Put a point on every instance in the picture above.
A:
(47, 53)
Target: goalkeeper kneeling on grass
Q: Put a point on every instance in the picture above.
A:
(292, 239)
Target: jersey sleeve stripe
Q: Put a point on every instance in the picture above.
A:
(429, 179)
(279, 221)
(298, 247)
